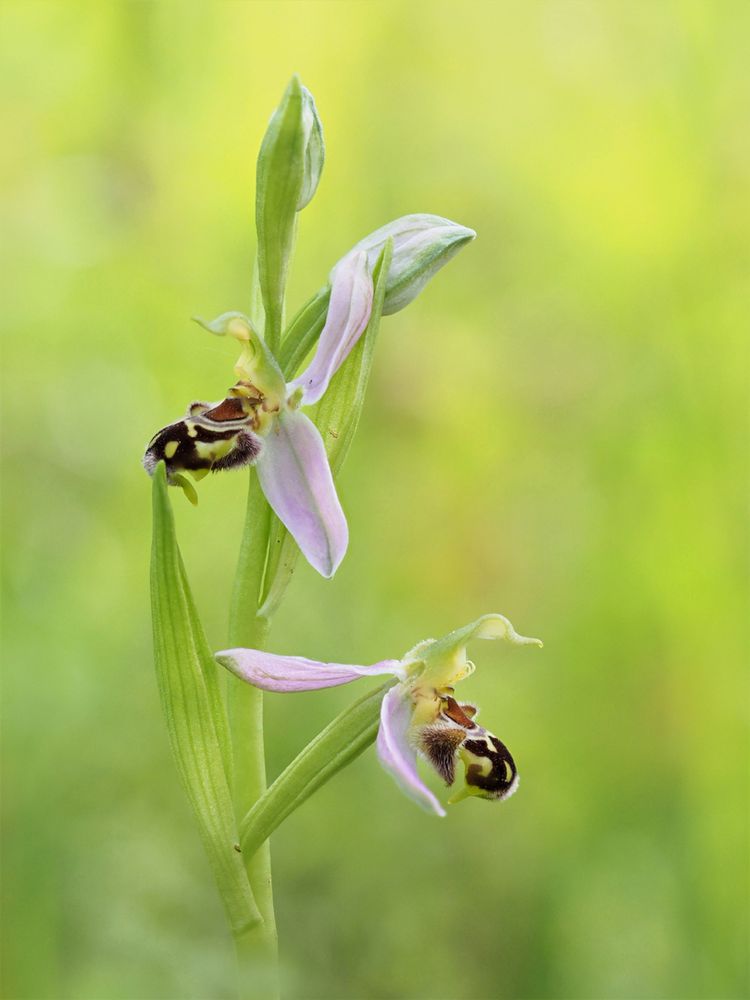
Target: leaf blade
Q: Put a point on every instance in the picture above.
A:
(196, 721)
(336, 746)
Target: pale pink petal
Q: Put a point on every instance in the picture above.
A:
(272, 672)
(348, 313)
(296, 478)
(396, 753)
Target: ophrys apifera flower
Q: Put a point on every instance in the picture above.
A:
(420, 715)
(260, 423)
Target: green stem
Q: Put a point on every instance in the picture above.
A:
(257, 950)
(257, 967)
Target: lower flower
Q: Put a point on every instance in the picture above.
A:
(419, 714)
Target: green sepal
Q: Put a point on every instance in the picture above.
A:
(315, 150)
(280, 182)
(341, 742)
(194, 712)
(336, 416)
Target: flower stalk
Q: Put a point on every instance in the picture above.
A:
(259, 947)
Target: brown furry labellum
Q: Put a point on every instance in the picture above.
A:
(490, 769)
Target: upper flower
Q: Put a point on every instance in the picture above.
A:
(419, 714)
(260, 423)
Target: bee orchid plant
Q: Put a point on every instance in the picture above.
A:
(291, 382)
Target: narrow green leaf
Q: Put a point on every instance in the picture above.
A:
(336, 416)
(303, 332)
(194, 712)
(214, 696)
(280, 180)
(341, 742)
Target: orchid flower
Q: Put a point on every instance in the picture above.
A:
(419, 714)
(260, 423)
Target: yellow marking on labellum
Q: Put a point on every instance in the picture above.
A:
(483, 764)
(214, 450)
(170, 448)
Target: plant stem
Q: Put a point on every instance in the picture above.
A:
(257, 950)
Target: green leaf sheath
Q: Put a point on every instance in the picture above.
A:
(280, 178)
(195, 717)
(336, 416)
(341, 742)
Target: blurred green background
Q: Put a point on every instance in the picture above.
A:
(555, 430)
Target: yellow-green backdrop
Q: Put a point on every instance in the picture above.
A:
(555, 430)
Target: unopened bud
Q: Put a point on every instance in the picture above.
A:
(314, 149)
(422, 244)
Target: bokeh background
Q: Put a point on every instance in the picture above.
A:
(556, 429)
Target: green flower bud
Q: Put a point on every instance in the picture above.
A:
(314, 149)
